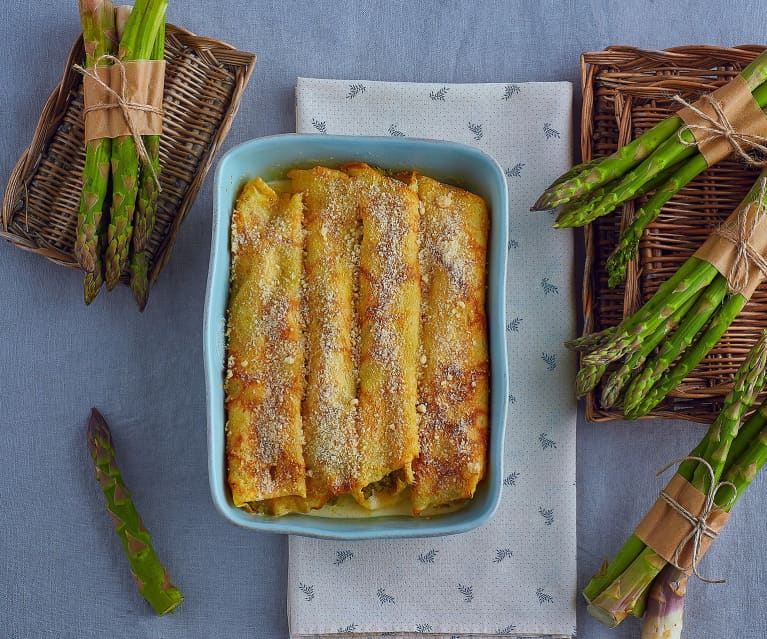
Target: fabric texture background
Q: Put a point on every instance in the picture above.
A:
(62, 572)
(517, 575)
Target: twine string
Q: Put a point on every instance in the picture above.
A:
(698, 523)
(124, 103)
(739, 234)
(719, 126)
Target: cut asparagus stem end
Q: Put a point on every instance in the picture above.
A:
(604, 617)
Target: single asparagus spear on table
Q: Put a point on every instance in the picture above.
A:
(98, 25)
(150, 575)
(137, 43)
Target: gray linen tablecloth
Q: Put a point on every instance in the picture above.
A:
(62, 573)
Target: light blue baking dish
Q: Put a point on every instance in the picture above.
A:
(270, 158)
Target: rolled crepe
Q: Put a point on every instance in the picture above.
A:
(264, 382)
(331, 222)
(454, 364)
(389, 314)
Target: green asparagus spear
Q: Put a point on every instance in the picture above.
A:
(95, 279)
(633, 364)
(691, 358)
(698, 317)
(137, 43)
(744, 469)
(748, 382)
(669, 154)
(619, 599)
(97, 18)
(152, 578)
(628, 245)
(750, 429)
(147, 203)
(588, 343)
(594, 175)
(579, 171)
(148, 192)
(139, 278)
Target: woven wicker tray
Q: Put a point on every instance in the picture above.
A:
(204, 82)
(625, 92)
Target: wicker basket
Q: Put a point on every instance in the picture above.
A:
(204, 82)
(625, 92)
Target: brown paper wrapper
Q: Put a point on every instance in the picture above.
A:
(722, 253)
(663, 529)
(145, 81)
(741, 110)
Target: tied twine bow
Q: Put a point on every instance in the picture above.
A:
(124, 103)
(720, 127)
(740, 234)
(699, 523)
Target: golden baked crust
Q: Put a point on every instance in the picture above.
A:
(331, 222)
(389, 314)
(358, 362)
(264, 382)
(454, 373)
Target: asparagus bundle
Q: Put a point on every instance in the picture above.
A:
(98, 23)
(665, 339)
(150, 575)
(664, 158)
(638, 576)
(103, 246)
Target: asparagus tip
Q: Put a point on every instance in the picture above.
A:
(97, 429)
(616, 277)
(585, 382)
(140, 299)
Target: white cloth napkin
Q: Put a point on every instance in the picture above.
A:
(517, 575)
